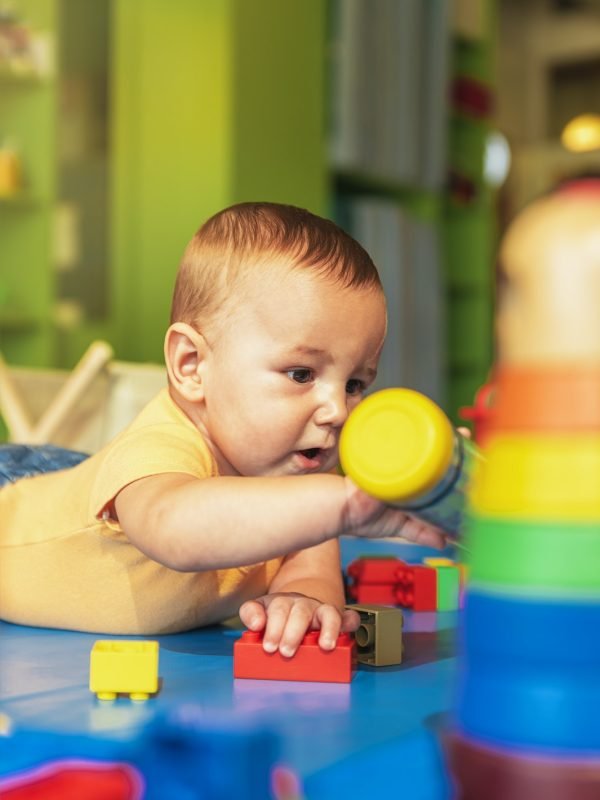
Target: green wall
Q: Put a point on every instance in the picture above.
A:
(26, 282)
(210, 102)
(214, 102)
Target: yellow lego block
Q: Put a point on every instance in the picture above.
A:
(433, 561)
(124, 667)
(379, 637)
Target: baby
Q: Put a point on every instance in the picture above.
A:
(223, 494)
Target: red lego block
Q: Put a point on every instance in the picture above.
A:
(416, 588)
(374, 580)
(72, 779)
(375, 570)
(309, 663)
(380, 593)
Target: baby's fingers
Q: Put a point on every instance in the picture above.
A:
(350, 621)
(329, 620)
(253, 615)
(422, 533)
(287, 624)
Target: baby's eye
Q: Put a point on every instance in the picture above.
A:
(300, 374)
(355, 386)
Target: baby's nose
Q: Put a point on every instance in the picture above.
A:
(333, 409)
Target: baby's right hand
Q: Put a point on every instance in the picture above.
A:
(366, 516)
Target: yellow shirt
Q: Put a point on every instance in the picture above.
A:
(63, 566)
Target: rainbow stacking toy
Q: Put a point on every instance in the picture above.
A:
(528, 717)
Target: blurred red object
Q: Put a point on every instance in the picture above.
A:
(480, 413)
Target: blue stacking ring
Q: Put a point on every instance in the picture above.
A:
(530, 675)
(552, 631)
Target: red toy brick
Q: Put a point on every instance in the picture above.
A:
(375, 570)
(417, 588)
(374, 580)
(381, 593)
(309, 663)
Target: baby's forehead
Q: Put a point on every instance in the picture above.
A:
(279, 278)
(276, 271)
(279, 291)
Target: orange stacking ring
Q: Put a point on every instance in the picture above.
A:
(562, 398)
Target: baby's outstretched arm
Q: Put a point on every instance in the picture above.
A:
(194, 525)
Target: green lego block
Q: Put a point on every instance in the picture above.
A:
(448, 587)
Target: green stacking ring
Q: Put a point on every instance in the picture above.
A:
(537, 558)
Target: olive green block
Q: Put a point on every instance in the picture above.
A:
(379, 636)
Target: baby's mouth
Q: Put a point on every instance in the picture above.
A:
(311, 452)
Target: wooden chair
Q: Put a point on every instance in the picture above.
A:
(82, 409)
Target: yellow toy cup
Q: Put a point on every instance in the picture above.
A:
(400, 447)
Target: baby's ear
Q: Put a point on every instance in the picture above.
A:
(185, 352)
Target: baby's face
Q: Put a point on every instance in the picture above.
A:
(291, 361)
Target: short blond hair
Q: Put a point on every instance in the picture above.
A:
(239, 238)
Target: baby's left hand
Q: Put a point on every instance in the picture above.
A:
(287, 616)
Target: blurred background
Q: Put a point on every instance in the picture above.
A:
(421, 126)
